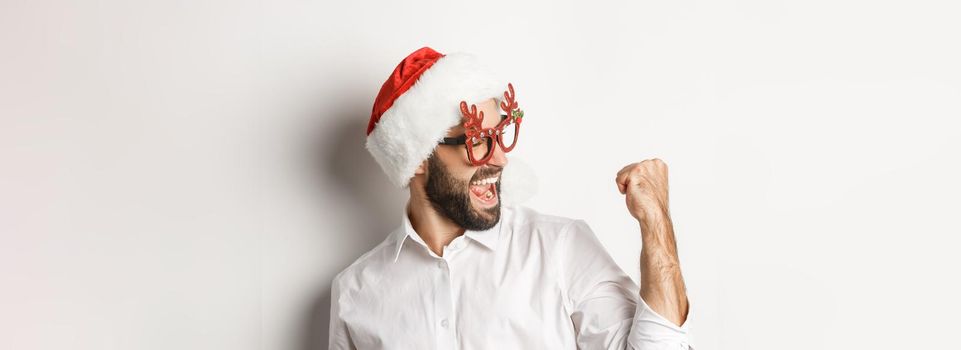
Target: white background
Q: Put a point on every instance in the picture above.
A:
(191, 174)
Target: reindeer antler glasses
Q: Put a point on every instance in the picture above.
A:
(479, 141)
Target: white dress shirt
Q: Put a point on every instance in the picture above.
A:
(533, 281)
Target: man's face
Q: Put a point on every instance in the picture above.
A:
(468, 195)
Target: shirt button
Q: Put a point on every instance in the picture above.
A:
(440, 264)
(443, 323)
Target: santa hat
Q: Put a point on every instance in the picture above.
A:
(419, 103)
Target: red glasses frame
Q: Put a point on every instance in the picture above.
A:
(474, 132)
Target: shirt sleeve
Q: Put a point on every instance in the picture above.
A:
(339, 337)
(605, 304)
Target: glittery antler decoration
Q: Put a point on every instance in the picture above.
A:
(509, 105)
(472, 122)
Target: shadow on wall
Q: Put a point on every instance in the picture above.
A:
(373, 207)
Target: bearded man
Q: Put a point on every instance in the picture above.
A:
(463, 271)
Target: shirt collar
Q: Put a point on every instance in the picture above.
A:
(487, 238)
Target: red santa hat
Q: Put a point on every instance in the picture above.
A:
(419, 103)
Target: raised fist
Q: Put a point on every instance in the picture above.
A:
(645, 187)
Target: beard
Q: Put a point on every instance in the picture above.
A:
(450, 197)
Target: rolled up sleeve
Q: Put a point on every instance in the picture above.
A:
(651, 331)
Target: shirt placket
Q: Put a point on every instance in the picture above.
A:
(443, 310)
(443, 302)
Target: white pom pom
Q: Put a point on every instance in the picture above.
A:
(518, 182)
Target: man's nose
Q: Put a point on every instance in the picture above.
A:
(499, 158)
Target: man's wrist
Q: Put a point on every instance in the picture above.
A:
(655, 220)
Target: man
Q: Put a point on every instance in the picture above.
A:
(464, 272)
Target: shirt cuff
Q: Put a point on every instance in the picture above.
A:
(653, 331)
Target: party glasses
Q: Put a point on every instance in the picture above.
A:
(479, 141)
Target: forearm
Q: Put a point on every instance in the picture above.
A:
(662, 286)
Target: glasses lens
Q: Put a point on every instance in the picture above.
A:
(481, 147)
(509, 135)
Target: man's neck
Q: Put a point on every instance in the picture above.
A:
(435, 229)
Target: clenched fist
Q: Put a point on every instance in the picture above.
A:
(645, 187)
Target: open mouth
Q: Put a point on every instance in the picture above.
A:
(485, 191)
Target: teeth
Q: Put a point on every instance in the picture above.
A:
(486, 181)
